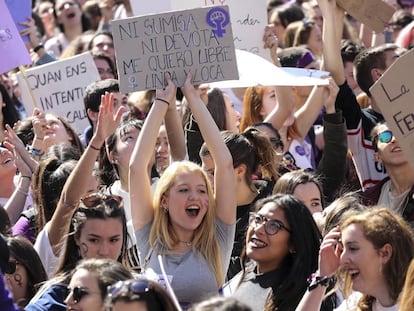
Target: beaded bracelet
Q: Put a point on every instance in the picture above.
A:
(162, 100)
(316, 280)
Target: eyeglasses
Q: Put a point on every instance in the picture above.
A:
(271, 226)
(140, 287)
(384, 137)
(95, 199)
(78, 293)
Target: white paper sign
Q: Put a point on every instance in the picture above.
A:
(58, 88)
(256, 71)
(248, 18)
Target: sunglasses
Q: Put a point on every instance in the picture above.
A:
(78, 293)
(140, 288)
(96, 199)
(11, 267)
(271, 226)
(384, 137)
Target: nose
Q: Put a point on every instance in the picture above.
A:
(69, 300)
(344, 258)
(104, 250)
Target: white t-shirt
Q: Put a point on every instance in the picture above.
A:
(45, 251)
(351, 304)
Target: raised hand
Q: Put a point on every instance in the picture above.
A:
(330, 92)
(168, 93)
(39, 124)
(330, 252)
(108, 119)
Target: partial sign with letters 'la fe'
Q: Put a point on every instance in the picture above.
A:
(394, 94)
(199, 41)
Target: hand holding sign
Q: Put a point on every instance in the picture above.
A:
(175, 43)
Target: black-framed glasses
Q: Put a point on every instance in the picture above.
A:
(271, 226)
(96, 199)
(384, 137)
(139, 288)
(78, 293)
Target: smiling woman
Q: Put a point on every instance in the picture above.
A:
(185, 222)
(282, 245)
(89, 283)
(376, 250)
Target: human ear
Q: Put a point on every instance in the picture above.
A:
(385, 253)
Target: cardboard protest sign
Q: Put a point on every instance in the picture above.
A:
(394, 94)
(12, 48)
(248, 18)
(199, 41)
(373, 13)
(20, 10)
(58, 88)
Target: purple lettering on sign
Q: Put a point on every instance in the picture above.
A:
(218, 18)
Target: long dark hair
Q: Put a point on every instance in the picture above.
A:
(9, 111)
(108, 171)
(24, 253)
(298, 265)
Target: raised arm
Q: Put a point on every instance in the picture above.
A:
(17, 201)
(77, 184)
(175, 133)
(225, 188)
(333, 17)
(139, 179)
(308, 113)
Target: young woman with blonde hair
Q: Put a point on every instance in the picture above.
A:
(188, 225)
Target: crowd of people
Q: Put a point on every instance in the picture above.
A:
(197, 198)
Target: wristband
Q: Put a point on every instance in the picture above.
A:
(94, 148)
(162, 100)
(38, 48)
(35, 152)
(316, 280)
(24, 176)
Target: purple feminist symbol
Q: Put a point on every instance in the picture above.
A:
(218, 18)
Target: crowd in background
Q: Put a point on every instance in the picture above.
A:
(198, 198)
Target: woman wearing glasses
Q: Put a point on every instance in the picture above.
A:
(141, 294)
(397, 190)
(185, 222)
(89, 283)
(282, 246)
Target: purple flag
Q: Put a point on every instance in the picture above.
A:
(20, 10)
(12, 49)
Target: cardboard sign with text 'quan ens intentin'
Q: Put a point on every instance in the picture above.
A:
(199, 41)
(394, 94)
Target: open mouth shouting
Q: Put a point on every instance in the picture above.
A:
(192, 211)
